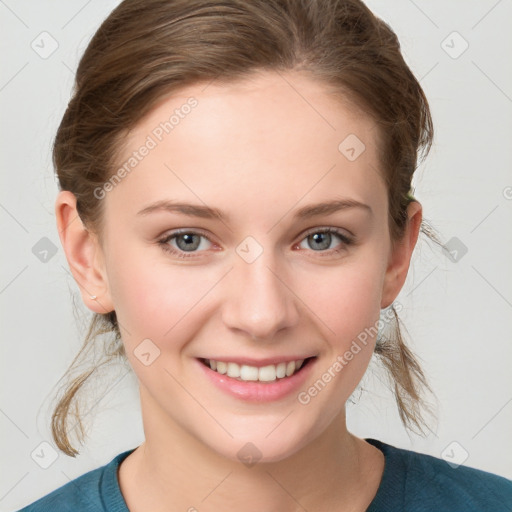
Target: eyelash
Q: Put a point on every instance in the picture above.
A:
(164, 242)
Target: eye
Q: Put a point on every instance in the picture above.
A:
(321, 239)
(185, 242)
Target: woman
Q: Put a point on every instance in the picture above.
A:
(236, 207)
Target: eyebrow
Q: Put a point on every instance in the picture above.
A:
(206, 212)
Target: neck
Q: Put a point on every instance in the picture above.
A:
(173, 470)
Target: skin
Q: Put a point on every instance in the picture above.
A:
(257, 150)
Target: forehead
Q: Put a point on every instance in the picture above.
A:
(272, 138)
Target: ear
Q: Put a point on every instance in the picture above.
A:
(84, 254)
(400, 256)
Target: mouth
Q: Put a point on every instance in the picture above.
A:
(264, 374)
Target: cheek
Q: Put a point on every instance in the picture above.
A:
(345, 299)
(347, 304)
(150, 298)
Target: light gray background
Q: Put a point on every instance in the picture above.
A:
(458, 314)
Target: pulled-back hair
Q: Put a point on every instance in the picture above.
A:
(148, 49)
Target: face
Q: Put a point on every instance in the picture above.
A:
(250, 274)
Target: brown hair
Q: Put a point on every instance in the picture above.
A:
(148, 49)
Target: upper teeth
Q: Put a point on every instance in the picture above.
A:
(264, 373)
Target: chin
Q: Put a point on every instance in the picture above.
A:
(263, 445)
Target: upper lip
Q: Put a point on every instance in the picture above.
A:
(258, 362)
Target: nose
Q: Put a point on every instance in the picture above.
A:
(259, 299)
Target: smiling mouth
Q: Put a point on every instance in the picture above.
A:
(247, 373)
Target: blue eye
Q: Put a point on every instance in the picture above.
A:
(322, 238)
(187, 243)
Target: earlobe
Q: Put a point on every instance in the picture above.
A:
(84, 255)
(400, 256)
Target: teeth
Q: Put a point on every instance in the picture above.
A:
(233, 370)
(267, 373)
(244, 372)
(248, 372)
(281, 370)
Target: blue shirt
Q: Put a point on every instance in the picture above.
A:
(411, 482)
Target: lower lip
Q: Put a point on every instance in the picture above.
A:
(252, 391)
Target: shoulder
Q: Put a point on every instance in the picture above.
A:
(94, 491)
(421, 482)
(462, 486)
